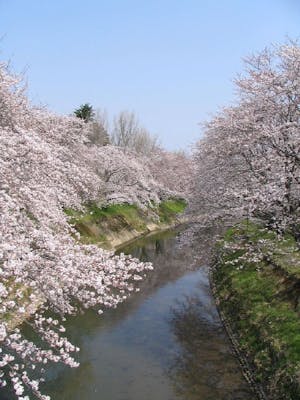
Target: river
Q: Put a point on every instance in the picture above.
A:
(165, 343)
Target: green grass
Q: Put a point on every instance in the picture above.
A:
(130, 213)
(168, 209)
(94, 213)
(95, 223)
(259, 301)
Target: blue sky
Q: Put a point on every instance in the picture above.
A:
(172, 62)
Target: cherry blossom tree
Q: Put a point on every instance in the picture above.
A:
(47, 163)
(125, 177)
(174, 169)
(248, 159)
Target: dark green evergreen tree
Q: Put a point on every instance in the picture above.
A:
(85, 112)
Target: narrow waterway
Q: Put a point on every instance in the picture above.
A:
(165, 343)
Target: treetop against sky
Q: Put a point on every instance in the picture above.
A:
(171, 62)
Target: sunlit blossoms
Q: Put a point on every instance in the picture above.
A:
(173, 169)
(47, 164)
(248, 161)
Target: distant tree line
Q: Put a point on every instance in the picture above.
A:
(126, 131)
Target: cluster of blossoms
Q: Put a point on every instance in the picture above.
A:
(248, 162)
(173, 169)
(46, 165)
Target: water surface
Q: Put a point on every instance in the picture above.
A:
(165, 343)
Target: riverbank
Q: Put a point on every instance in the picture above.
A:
(113, 226)
(109, 227)
(256, 283)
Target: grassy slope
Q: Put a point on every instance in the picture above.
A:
(260, 300)
(96, 224)
(168, 209)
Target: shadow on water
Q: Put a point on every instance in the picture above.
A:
(205, 367)
(165, 343)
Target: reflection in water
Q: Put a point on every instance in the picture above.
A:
(205, 367)
(164, 343)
